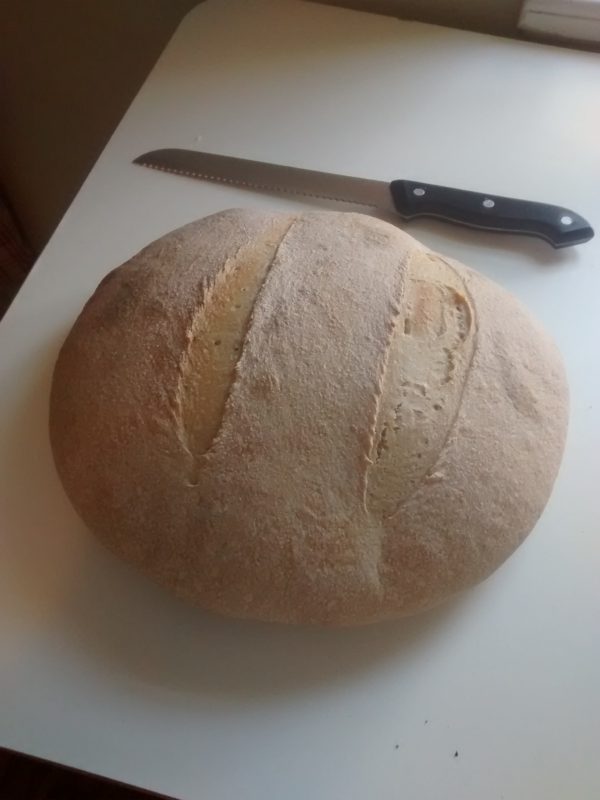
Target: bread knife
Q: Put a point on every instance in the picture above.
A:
(409, 199)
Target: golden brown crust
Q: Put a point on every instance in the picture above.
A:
(307, 418)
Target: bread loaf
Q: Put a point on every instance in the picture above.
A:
(307, 418)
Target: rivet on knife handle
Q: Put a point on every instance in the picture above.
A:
(559, 226)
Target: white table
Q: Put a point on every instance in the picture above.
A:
(102, 670)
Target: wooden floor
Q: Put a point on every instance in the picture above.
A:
(26, 778)
(16, 258)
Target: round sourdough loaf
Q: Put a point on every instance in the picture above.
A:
(307, 417)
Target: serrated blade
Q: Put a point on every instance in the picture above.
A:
(269, 177)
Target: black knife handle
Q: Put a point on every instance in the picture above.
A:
(559, 226)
